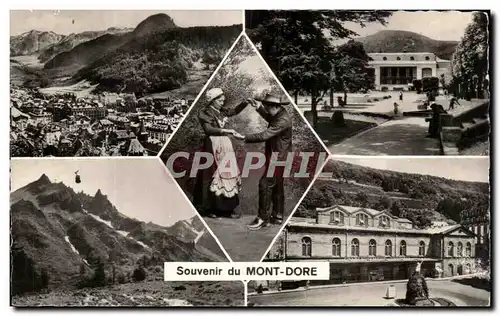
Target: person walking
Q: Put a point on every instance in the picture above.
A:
(453, 101)
(401, 96)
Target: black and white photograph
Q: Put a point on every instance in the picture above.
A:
(92, 232)
(109, 82)
(396, 232)
(245, 115)
(384, 82)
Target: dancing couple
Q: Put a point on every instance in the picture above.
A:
(216, 192)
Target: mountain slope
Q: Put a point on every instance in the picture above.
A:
(68, 42)
(159, 62)
(391, 41)
(62, 231)
(32, 41)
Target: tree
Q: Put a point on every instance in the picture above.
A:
(350, 69)
(99, 278)
(396, 209)
(297, 45)
(470, 59)
(417, 84)
(139, 274)
(384, 203)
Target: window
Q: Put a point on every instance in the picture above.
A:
(412, 58)
(385, 58)
(460, 249)
(421, 248)
(384, 221)
(427, 58)
(398, 58)
(450, 249)
(336, 247)
(388, 248)
(468, 249)
(337, 217)
(362, 220)
(306, 247)
(402, 248)
(372, 250)
(355, 248)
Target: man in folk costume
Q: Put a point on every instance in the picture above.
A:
(278, 139)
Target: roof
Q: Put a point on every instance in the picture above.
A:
(122, 134)
(429, 231)
(17, 114)
(404, 57)
(353, 209)
(135, 147)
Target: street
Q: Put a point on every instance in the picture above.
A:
(373, 295)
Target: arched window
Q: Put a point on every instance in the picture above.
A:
(362, 220)
(402, 248)
(384, 221)
(412, 58)
(468, 249)
(451, 249)
(355, 248)
(337, 217)
(372, 247)
(460, 249)
(306, 247)
(388, 248)
(336, 247)
(421, 248)
(398, 58)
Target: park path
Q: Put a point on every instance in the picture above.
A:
(403, 136)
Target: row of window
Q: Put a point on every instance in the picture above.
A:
(411, 58)
(460, 249)
(337, 217)
(372, 248)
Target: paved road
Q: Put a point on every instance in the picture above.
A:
(372, 295)
(403, 136)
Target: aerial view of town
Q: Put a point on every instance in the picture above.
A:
(119, 90)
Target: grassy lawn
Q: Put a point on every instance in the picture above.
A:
(332, 134)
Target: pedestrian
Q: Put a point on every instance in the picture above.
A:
(437, 110)
(278, 140)
(453, 101)
(396, 110)
(401, 96)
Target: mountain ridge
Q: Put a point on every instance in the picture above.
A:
(396, 41)
(52, 226)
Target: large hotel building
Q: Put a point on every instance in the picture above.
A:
(396, 71)
(367, 245)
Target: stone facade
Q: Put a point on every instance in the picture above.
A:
(364, 244)
(396, 71)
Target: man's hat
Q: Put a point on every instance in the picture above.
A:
(213, 94)
(273, 99)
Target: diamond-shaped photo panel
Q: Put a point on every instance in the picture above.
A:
(243, 154)
(89, 232)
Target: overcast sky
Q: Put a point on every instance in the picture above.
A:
(61, 22)
(138, 188)
(466, 169)
(444, 26)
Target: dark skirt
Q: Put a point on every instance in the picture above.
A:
(206, 201)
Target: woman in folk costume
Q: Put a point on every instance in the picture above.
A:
(216, 192)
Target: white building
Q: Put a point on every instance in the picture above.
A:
(396, 71)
